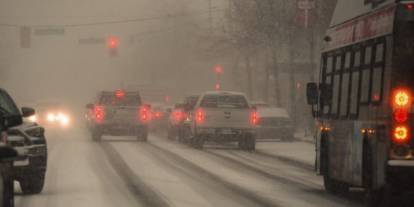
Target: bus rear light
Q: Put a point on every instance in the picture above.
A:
(99, 112)
(254, 118)
(401, 134)
(409, 6)
(402, 98)
(401, 115)
(200, 116)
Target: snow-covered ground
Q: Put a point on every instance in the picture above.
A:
(120, 171)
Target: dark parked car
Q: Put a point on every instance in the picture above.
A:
(274, 123)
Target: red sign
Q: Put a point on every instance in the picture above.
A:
(367, 27)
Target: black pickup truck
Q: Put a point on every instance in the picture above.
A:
(118, 113)
(10, 116)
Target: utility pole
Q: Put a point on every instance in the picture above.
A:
(210, 15)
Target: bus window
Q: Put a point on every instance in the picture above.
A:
(325, 109)
(344, 95)
(365, 86)
(377, 84)
(338, 63)
(353, 106)
(335, 95)
(357, 61)
(348, 60)
(329, 64)
(368, 55)
(379, 54)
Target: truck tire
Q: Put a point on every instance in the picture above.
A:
(96, 135)
(198, 142)
(7, 190)
(142, 134)
(33, 184)
(242, 143)
(247, 143)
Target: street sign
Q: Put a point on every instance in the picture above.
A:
(40, 31)
(25, 37)
(304, 16)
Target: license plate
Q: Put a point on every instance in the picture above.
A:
(21, 163)
(227, 131)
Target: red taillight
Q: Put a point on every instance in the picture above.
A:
(178, 116)
(120, 94)
(254, 118)
(144, 114)
(409, 6)
(401, 134)
(99, 112)
(401, 115)
(200, 116)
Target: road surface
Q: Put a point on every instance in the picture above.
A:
(120, 171)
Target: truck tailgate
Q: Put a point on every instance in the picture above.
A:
(123, 114)
(226, 118)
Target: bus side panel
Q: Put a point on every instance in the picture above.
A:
(340, 151)
(357, 145)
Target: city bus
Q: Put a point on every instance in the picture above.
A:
(363, 102)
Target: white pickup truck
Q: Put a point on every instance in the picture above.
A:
(223, 117)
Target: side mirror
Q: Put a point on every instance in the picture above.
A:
(312, 93)
(27, 112)
(326, 94)
(89, 106)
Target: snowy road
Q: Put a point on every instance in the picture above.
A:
(122, 172)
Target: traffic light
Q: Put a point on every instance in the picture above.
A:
(218, 69)
(113, 44)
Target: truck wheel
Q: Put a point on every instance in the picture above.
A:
(242, 143)
(198, 142)
(142, 134)
(33, 184)
(251, 143)
(96, 135)
(7, 190)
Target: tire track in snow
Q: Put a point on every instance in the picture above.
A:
(136, 185)
(293, 181)
(261, 201)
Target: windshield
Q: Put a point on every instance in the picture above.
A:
(224, 101)
(7, 106)
(127, 100)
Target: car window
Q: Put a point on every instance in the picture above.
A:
(128, 100)
(7, 104)
(224, 101)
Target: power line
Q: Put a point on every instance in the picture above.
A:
(136, 20)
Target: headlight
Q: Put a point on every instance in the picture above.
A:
(51, 117)
(64, 120)
(33, 118)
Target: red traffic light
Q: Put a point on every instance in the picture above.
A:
(218, 69)
(113, 42)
